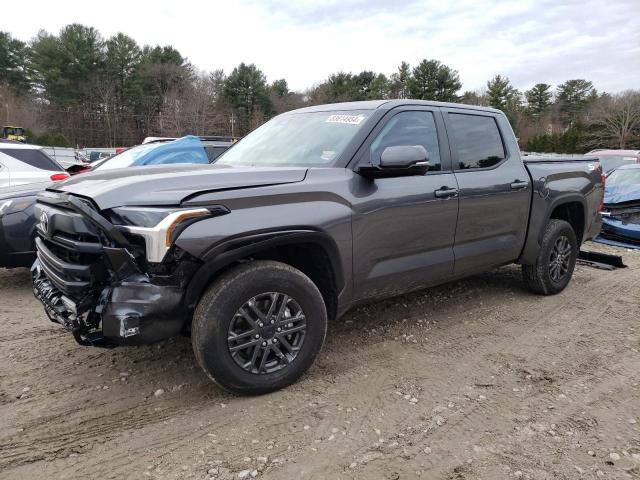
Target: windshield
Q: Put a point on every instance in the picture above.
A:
(298, 139)
(183, 150)
(624, 177)
(610, 162)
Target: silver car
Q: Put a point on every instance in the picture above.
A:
(23, 164)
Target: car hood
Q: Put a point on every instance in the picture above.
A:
(170, 184)
(624, 193)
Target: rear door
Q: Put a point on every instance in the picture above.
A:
(29, 165)
(403, 227)
(494, 190)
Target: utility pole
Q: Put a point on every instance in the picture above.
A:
(233, 122)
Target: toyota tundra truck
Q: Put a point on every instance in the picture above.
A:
(318, 210)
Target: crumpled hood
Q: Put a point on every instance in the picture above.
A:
(622, 193)
(170, 184)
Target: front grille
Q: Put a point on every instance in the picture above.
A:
(70, 252)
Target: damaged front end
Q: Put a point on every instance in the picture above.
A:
(94, 279)
(621, 222)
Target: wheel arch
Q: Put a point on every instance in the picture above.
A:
(312, 252)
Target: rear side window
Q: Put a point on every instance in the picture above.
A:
(477, 140)
(33, 157)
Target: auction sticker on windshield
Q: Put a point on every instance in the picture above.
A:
(349, 119)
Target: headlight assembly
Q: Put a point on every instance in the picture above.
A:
(159, 226)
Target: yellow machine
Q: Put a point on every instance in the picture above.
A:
(14, 133)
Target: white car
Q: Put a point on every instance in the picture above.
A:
(22, 164)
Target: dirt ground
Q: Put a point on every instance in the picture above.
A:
(475, 379)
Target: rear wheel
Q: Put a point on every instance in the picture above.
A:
(259, 327)
(556, 260)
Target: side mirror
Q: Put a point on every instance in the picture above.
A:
(398, 161)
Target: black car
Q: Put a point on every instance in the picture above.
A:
(17, 224)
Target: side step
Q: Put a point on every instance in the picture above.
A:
(603, 261)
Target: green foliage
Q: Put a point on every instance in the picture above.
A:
(500, 93)
(538, 99)
(64, 63)
(49, 139)
(573, 140)
(431, 80)
(14, 63)
(573, 98)
(246, 91)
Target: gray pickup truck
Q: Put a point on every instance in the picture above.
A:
(316, 211)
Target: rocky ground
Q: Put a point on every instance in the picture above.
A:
(475, 379)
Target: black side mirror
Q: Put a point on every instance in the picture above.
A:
(397, 161)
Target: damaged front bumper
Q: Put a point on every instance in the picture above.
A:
(622, 225)
(95, 288)
(129, 312)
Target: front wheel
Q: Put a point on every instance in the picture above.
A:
(556, 260)
(259, 327)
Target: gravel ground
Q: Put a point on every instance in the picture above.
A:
(474, 379)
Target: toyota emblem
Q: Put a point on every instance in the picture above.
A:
(44, 222)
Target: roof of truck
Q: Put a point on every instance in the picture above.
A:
(388, 105)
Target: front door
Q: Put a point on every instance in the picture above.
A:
(403, 227)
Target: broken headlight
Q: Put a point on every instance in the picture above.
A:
(158, 226)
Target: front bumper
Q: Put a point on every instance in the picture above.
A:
(616, 229)
(90, 282)
(132, 312)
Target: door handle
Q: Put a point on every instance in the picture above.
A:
(446, 192)
(519, 185)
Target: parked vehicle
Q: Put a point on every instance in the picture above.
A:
(318, 210)
(23, 164)
(17, 224)
(621, 214)
(14, 133)
(612, 159)
(163, 151)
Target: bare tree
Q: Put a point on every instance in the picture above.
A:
(617, 119)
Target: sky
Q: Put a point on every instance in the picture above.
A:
(304, 41)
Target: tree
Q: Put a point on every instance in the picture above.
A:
(504, 96)
(476, 97)
(65, 63)
(380, 87)
(617, 120)
(431, 80)
(573, 98)
(400, 81)
(246, 91)
(538, 99)
(122, 56)
(500, 92)
(14, 63)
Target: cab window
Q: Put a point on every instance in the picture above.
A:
(409, 128)
(477, 141)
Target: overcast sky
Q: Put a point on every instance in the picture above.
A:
(304, 41)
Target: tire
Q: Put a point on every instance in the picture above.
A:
(236, 308)
(544, 278)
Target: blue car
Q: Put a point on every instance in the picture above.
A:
(621, 214)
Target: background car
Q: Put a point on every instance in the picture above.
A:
(612, 159)
(17, 224)
(621, 214)
(23, 164)
(164, 151)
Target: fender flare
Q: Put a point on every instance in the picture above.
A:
(237, 248)
(562, 200)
